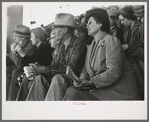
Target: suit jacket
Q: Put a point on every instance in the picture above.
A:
(110, 72)
(134, 38)
(74, 55)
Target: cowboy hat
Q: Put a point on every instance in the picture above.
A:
(64, 19)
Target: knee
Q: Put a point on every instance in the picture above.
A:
(57, 79)
(72, 92)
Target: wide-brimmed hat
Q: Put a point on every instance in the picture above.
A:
(21, 31)
(64, 19)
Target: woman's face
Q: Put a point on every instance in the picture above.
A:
(92, 26)
(33, 39)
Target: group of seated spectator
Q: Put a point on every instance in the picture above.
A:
(98, 55)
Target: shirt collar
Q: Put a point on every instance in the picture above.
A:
(66, 43)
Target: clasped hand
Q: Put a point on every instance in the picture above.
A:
(33, 70)
(17, 48)
(83, 84)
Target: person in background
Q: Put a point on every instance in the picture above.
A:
(134, 44)
(71, 52)
(19, 49)
(107, 74)
(139, 12)
(42, 56)
(113, 13)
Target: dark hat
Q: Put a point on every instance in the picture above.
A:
(102, 16)
(64, 19)
(39, 33)
(21, 31)
(127, 12)
(97, 11)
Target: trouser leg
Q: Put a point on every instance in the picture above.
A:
(37, 91)
(23, 90)
(57, 89)
(139, 78)
(8, 78)
(13, 90)
(73, 93)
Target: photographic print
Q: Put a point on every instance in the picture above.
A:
(74, 60)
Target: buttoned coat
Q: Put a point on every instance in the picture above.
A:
(107, 68)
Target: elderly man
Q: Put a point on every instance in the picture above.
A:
(19, 49)
(71, 53)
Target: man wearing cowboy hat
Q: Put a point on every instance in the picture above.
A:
(21, 47)
(73, 51)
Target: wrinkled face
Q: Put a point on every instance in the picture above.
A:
(92, 26)
(17, 39)
(33, 39)
(59, 32)
(53, 41)
(124, 21)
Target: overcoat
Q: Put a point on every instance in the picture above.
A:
(109, 70)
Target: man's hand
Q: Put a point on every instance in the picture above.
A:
(29, 71)
(19, 50)
(13, 47)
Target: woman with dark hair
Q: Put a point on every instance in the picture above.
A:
(134, 43)
(106, 75)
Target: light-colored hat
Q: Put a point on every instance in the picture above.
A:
(64, 19)
(21, 31)
(113, 11)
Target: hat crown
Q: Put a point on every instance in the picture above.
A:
(22, 30)
(64, 19)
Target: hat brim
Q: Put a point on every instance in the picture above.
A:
(58, 25)
(16, 33)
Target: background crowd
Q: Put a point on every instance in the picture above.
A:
(103, 47)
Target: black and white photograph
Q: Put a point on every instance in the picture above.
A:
(74, 60)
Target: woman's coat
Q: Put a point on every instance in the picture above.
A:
(107, 68)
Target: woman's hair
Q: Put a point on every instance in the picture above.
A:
(101, 16)
(128, 13)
